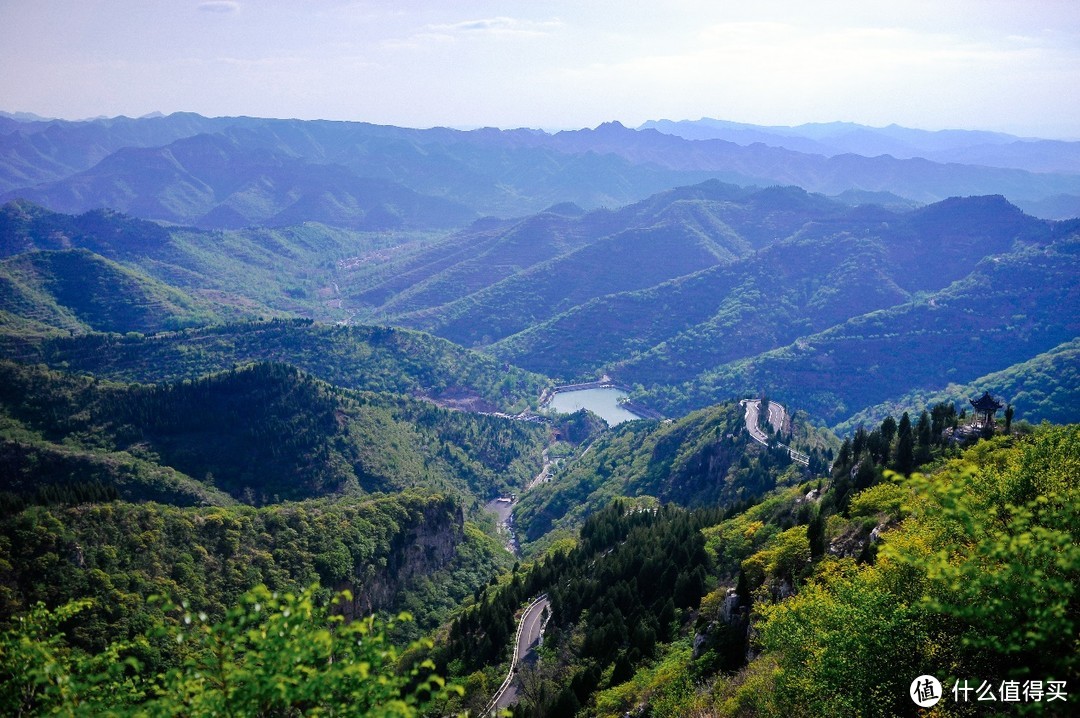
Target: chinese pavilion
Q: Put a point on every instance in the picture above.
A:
(985, 408)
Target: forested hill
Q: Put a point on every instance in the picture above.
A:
(1043, 388)
(243, 273)
(409, 550)
(824, 272)
(652, 606)
(503, 281)
(821, 599)
(693, 296)
(1012, 307)
(382, 359)
(704, 459)
(261, 434)
(696, 295)
(563, 295)
(317, 387)
(76, 291)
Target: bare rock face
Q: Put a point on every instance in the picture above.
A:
(427, 545)
(858, 541)
(701, 640)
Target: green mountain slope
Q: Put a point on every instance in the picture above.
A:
(682, 327)
(408, 551)
(828, 274)
(706, 458)
(268, 433)
(549, 288)
(1012, 307)
(77, 290)
(472, 260)
(630, 260)
(243, 273)
(952, 586)
(383, 359)
(1043, 388)
(482, 286)
(831, 270)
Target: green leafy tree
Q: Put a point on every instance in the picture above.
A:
(1007, 558)
(271, 655)
(979, 580)
(41, 673)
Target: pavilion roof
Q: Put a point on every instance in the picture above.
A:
(986, 403)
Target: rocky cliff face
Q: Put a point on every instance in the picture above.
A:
(425, 544)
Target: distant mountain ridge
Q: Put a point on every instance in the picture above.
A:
(994, 149)
(490, 171)
(914, 178)
(212, 182)
(250, 171)
(953, 147)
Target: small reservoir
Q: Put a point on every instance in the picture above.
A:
(602, 401)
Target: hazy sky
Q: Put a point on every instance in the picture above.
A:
(1010, 65)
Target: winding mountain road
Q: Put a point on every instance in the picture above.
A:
(531, 624)
(777, 415)
(530, 627)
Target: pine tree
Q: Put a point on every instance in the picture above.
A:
(866, 476)
(888, 433)
(859, 442)
(742, 589)
(815, 533)
(905, 446)
(843, 460)
(922, 434)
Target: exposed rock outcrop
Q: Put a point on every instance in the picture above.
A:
(426, 544)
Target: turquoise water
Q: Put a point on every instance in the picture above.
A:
(602, 402)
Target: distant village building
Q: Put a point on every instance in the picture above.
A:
(985, 408)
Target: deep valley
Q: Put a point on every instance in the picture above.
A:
(260, 378)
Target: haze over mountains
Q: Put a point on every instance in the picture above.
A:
(234, 172)
(992, 149)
